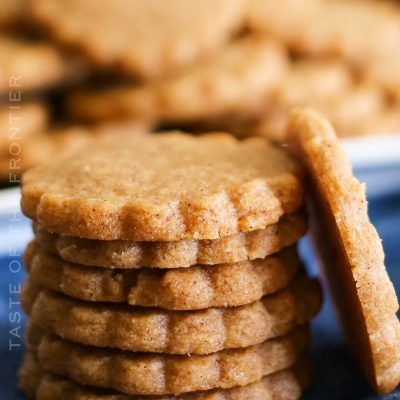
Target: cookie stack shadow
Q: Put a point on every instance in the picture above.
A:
(225, 318)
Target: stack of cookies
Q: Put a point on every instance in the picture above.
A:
(166, 265)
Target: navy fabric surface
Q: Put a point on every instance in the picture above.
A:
(336, 378)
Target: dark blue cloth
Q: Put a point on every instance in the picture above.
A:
(336, 378)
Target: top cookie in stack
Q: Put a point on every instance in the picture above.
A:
(165, 265)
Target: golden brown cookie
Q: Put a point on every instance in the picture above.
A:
(351, 251)
(144, 39)
(19, 122)
(22, 66)
(193, 288)
(316, 82)
(42, 146)
(174, 332)
(358, 31)
(240, 75)
(287, 384)
(385, 71)
(175, 187)
(12, 12)
(151, 374)
(175, 254)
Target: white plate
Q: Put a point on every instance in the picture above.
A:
(380, 151)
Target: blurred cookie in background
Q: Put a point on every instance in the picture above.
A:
(35, 66)
(355, 107)
(12, 13)
(143, 39)
(356, 30)
(243, 73)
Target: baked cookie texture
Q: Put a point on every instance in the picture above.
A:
(189, 332)
(176, 187)
(126, 254)
(287, 384)
(151, 374)
(192, 288)
(142, 39)
(351, 251)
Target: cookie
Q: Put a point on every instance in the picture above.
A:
(386, 74)
(193, 288)
(176, 187)
(357, 111)
(16, 124)
(241, 74)
(12, 12)
(307, 81)
(151, 374)
(358, 31)
(43, 146)
(143, 39)
(176, 254)
(351, 252)
(185, 332)
(287, 384)
(22, 63)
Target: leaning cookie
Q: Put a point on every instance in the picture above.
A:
(192, 288)
(173, 332)
(351, 251)
(151, 374)
(231, 186)
(142, 39)
(287, 384)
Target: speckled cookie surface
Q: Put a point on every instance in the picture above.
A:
(144, 39)
(175, 187)
(174, 332)
(351, 251)
(175, 254)
(244, 72)
(193, 288)
(139, 373)
(286, 384)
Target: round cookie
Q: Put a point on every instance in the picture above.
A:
(175, 187)
(145, 39)
(351, 251)
(242, 74)
(150, 374)
(193, 288)
(174, 332)
(287, 384)
(175, 254)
